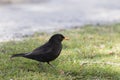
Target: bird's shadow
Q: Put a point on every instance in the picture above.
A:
(38, 67)
(33, 66)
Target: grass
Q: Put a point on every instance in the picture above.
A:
(92, 53)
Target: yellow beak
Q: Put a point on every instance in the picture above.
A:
(66, 38)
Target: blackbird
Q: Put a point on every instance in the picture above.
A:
(47, 52)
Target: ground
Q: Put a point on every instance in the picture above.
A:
(92, 53)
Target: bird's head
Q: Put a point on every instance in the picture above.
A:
(58, 38)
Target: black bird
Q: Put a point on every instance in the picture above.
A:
(47, 52)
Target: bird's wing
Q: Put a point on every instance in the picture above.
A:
(46, 48)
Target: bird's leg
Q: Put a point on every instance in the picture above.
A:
(51, 65)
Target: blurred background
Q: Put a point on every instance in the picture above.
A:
(20, 18)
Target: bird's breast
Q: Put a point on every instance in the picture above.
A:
(55, 52)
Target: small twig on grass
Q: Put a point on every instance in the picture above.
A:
(103, 63)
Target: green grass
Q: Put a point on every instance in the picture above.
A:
(92, 53)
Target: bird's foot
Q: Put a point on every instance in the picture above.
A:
(52, 66)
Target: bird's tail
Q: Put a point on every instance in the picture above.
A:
(18, 55)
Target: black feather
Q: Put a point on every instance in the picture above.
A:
(47, 52)
(18, 55)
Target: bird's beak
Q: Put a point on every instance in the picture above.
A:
(66, 38)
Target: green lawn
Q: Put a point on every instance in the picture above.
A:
(92, 53)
